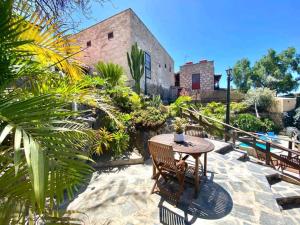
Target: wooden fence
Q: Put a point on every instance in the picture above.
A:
(290, 159)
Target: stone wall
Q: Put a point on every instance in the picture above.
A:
(205, 69)
(104, 49)
(127, 29)
(162, 64)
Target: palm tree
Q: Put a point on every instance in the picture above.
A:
(41, 157)
(136, 63)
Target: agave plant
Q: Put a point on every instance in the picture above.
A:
(112, 73)
(41, 157)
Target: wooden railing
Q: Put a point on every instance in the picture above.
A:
(291, 158)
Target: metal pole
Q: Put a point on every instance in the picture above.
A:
(228, 105)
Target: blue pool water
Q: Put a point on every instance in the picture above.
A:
(263, 146)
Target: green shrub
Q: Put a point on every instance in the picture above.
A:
(117, 142)
(149, 117)
(180, 103)
(125, 99)
(248, 122)
(112, 73)
(251, 123)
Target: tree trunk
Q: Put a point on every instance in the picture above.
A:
(137, 87)
(256, 111)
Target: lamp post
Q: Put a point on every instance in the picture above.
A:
(229, 79)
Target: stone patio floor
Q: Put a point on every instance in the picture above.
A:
(235, 192)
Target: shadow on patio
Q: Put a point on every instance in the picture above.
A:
(213, 202)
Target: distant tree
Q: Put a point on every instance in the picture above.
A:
(260, 98)
(274, 71)
(62, 11)
(136, 63)
(112, 73)
(242, 73)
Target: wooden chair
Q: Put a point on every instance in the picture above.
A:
(168, 168)
(196, 131)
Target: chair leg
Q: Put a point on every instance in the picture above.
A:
(154, 186)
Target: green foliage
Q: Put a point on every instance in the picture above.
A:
(180, 104)
(155, 101)
(112, 73)
(117, 142)
(148, 118)
(238, 107)
(124, 98)
(136, 63)
(103, 139)
(120, 142)
(251, 123)
(41, 157)
(274, 71)
(242, 74)
(260, 98)
(179, 125)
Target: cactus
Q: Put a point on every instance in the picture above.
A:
(136, 63)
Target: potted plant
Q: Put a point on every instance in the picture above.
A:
(179, 125)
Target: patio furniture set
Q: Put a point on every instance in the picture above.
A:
(167, 168)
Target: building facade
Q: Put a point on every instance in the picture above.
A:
(111, 39)
(197, 79)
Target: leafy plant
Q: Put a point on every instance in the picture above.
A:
(112, 73)
(155, 101)
(179, 125)
(180, 104)
(120, 142)
(124, 98)
(136, 63)
(41, 157)
(103, 140)
(149, 117)
(249, 122)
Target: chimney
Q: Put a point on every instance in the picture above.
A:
(203, 61)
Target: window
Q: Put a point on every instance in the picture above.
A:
(170, 69)
(165, 65)
(147, 65)
(89, 44)
(110, 35)
(196, 81)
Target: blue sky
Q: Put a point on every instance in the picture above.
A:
(219, 30)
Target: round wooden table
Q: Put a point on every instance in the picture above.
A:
(194, 146)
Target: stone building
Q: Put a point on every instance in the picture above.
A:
(110, 40)
(198, 79)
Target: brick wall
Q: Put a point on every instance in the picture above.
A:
(205, 69)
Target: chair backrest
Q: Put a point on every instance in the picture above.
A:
(162, 155)
(193, 130)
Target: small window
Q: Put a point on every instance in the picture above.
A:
(158, 65)
(196, 81)
(165, 65)
(110, 35)
(170, 69)
(148, 65)
(89, 44)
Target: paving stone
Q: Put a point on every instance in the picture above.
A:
(270, 219)
(234, 193)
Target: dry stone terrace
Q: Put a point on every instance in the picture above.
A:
(235, 192)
